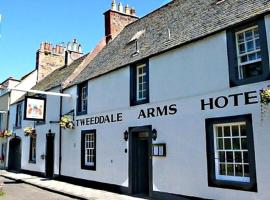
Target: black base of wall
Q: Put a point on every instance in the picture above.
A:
(94, 184)
(32, 173)
(111, 187)
(168, 196)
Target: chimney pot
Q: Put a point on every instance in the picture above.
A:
(127, 10)
(113, 5)
(120, 7)
(132, 11)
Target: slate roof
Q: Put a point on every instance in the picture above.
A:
(187, 20)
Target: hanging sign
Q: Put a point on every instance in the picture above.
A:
(34, 108)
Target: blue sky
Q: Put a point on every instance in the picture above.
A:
(26, 23)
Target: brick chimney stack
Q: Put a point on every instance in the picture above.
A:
(50, 58)
(117, 18)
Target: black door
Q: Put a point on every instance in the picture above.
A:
(14, 159)
(50, 155)
(140, 163)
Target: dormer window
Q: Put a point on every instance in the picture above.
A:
(248, 54)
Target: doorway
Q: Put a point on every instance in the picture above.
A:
(14, 158)
(140, 161)
(49, 171)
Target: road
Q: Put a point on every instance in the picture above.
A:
(21, 191)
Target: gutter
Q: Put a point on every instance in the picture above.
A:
(60, 134)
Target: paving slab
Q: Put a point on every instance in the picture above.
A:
(66, 188)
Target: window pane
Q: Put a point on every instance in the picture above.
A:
(236, 143)
(240, 37)
(222, 156)
(229, 155)
(230, 170)
(227, 131)
(243, 130)
(227, 142)
(248, 35)
(235, 131)
(244, 59)
(244, 143)
(219, 131)
(238, 156)
(220, 143)
(222, 169)
(252, 56)
(238, 170)
(250, 46)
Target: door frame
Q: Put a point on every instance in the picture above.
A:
(131, 137)
(10, 150)
(46, 164)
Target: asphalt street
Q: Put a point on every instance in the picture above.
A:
(21, 191)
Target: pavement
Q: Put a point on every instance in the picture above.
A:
(15, 190)
(71, 190)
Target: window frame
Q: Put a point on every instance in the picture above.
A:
(83, 164)
(213, 181)
(80, 87)
(134, 83)
(232, 51)
(31, 147)
(18, 122)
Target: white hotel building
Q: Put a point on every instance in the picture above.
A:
(169, 108)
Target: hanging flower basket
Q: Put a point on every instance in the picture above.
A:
(265, 100)
(29, 131)
(66, 122)
(5, 133)
(265, 96)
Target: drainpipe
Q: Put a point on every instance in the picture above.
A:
(60, 134)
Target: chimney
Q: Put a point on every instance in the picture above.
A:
(116, 19)
(73, 52)
(50, 58)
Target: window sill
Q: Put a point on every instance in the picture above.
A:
(81, 113)
(85, 167)
(235, 185)
(136, 103)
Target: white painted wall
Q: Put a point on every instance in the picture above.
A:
(52, 114)
(27, 83)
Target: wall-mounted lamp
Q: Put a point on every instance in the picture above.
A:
(126, 136)
(154, 134)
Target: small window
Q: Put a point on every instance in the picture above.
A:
(32, 154)
(139, 84)
(82, 99)
(88, 145)
(231, 159)
(248, 54)
(18, 123)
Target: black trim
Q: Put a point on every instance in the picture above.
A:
(132, 131)
(212, 181)
(93, 184)
(133, 83)
(32, 173)
(232, 54)
(16, 119)
(25, 109)
(83, 166)
(79, 105)
(30, 150)
(168, 196)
